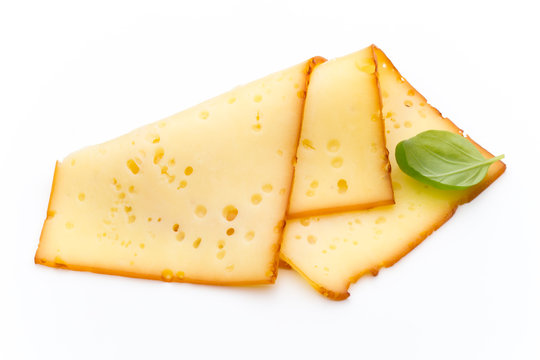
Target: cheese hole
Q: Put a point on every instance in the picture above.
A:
(256, 127)
(153, 138)
(367, 68)
(69, 225)
(221, 244)
(311, 239)
(250, 235)
(256, 199)
(159, 220)
(51, 213)
(232, 100)
(188, 171)
(180, 236)
(230, 231)
(407, 124)
(131, 189)
(375, 117)
(172, 162)
(197, 242)
(310, 193)
(279, 226)
(127, 208)
(342, 186)
(175, 227)
(410, 92)
(81, 197)
(132, 166)
(396, 126)
(221, 254)
(408, 103)
(182, 184)
(332, 247)
(230, 212)
(200, 211)
(333, 145)
(180, 275)
(306, 143)
(204, 115)
(267, 188)
(304, 222)
(167, 275)
(122, 195)
(149, 219)
(337, 162)
(131, 219)
(230, 268)
(158, 154)
(257, 98)
(141, 246)
(314, 184)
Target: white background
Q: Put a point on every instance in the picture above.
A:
(73, 74)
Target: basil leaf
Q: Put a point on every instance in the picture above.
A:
(443, 159)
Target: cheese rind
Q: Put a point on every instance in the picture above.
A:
(198, 197)
(335, 250)
(342, 162)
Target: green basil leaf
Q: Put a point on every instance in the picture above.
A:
(443, 159)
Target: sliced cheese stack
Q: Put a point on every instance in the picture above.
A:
(333, 251)
(342, 162)
(198, 197)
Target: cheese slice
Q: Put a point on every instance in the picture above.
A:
(198, 197)
(335, 250)
(342, 162)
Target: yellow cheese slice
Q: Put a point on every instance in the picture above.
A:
(342, 162)
(335, 250)
(198, 197)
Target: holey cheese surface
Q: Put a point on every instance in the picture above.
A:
(342, 159)
(335, 250)
(198, 197)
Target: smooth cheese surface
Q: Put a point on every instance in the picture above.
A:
(198, 197)
(342, 162)
(335, 250)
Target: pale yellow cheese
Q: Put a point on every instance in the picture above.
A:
(198, 197)
(342, 162)
(334, 250)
